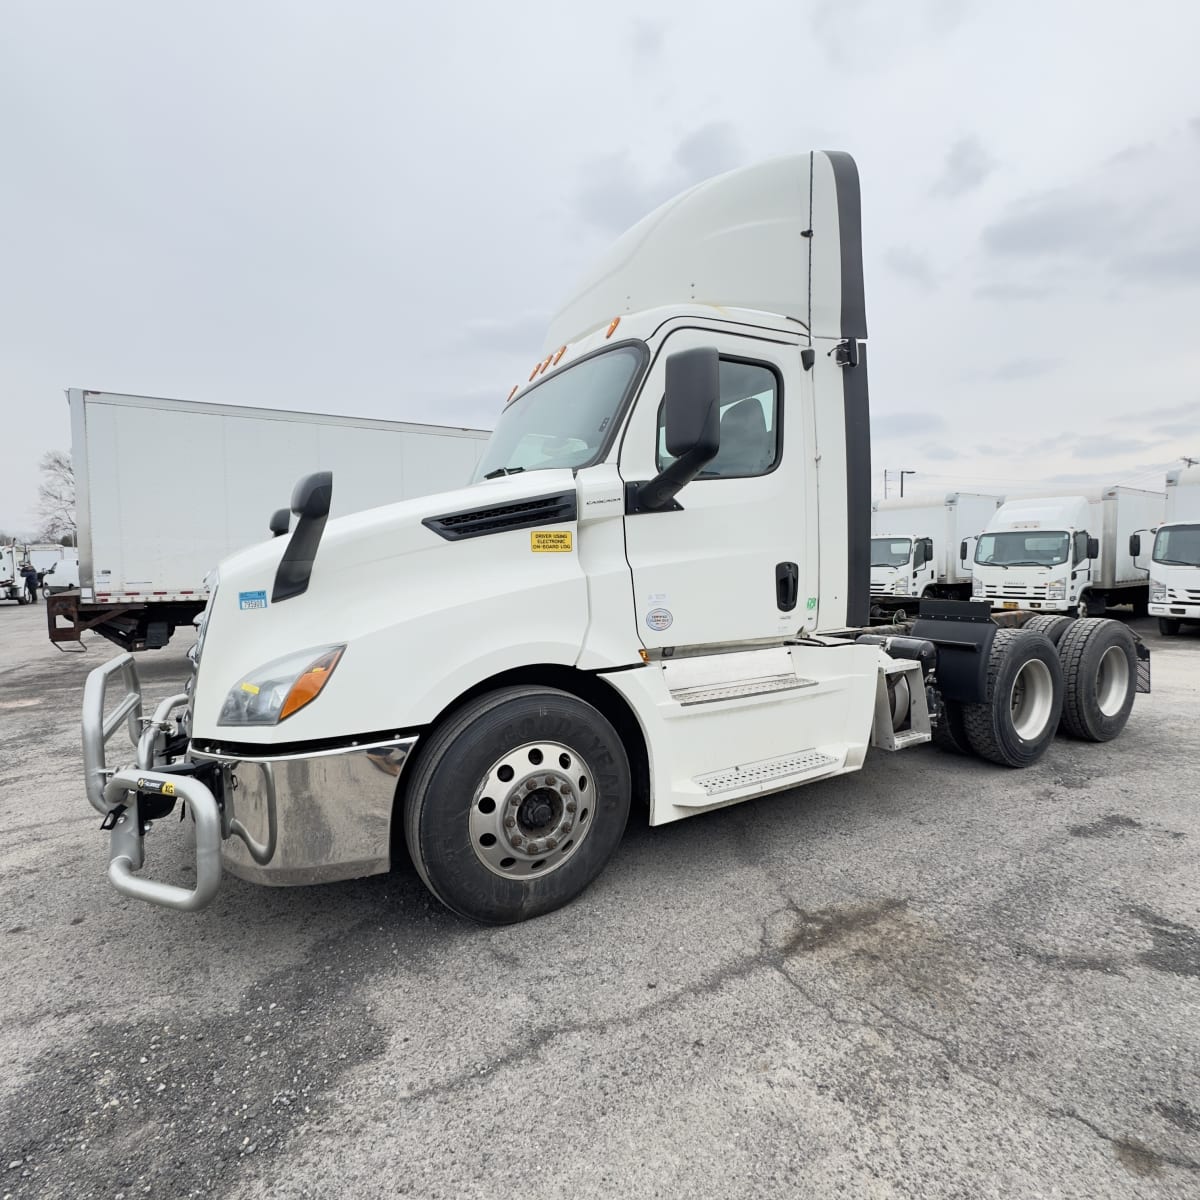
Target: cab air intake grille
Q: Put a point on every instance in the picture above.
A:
(500, 518)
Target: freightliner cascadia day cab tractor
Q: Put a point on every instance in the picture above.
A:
(1175, 554)
(918, 549)
(656, 590)
(1066, 553)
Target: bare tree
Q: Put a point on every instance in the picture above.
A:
(56, 496)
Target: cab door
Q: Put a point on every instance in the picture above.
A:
(735, 559)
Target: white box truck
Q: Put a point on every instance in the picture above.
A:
(61, 576)
(655, 588)
(917, 549)
(1066, 553)
(144, 556)
(1175, 554)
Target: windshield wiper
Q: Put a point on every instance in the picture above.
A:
(1176, 562)
(1029, 562)
(503, 471)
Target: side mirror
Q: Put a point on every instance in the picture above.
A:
(962, 550)
(1093, 548)
(281, 520)
(692, 423)
(1135, 544)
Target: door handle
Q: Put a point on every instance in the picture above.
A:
(787, 585)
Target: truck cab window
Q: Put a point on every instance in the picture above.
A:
(567, 420)
(749, 423)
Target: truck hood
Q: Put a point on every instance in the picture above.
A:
(405, 601)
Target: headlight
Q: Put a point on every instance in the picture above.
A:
(275, 691)
(900, 587)
(1056, 589)
(1158, 592)
(977, 586)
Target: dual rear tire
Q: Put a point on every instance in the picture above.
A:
(1079, 676)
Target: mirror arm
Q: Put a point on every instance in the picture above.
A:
(658, 494)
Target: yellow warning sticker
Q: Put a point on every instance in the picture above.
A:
(550, 541)
(168, 789)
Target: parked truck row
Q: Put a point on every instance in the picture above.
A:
(655, 588)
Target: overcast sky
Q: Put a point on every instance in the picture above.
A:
(372, 208)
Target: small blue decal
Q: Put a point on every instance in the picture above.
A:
(252, 599)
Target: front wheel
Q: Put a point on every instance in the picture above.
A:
(1169, 627)
(516, 804)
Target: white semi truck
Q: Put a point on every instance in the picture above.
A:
(1175, 555)
(1066, 553)
(143, 559)
(656, 589)
(12, 582)
(917, 549)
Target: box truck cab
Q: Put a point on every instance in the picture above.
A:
(656, 588)
(12, 582)
(1065, 553)
(930, 555)
(1175, 554)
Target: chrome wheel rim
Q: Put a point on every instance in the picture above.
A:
(1112, 681)
(532, 810)
(1031, 699)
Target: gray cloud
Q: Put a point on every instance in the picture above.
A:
(1180, 263)
(1022, 368)
(910, 265)
(1187, 409)
(1179, 429)
(1097, 445)
(1005, 292)
(519, 334)
(967, 165)
(940, 452)
(1058, 224)
(906, 424)
(616, 193)
(646, 40)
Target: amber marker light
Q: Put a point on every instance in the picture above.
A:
(309, 683)
(558, 354)
(612, 326)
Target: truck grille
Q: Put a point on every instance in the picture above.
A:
(1014, 591)
(880, 589)
(1183, 595)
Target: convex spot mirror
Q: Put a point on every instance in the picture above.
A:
(281, 520)
(691, 423)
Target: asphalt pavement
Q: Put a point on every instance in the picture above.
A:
(933, 978)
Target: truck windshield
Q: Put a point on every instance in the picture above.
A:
(1178, 546)
(890, 552)
(563, 422)
(1023, 548)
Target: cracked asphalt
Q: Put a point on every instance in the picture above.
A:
(934, 978)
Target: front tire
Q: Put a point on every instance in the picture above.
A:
(1099, 661)
(516, 804)
(1169, 626)
(1017, 722)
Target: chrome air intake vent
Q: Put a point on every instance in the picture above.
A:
(500, 518)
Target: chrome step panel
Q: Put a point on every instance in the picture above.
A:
(767, 772)
(708, 694)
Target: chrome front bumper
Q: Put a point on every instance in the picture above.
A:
(274, 820)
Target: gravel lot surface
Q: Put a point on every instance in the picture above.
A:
(934, 978)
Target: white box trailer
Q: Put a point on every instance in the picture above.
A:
(1066, 553)
(1175, 554)
(916, 544)
(145, 550)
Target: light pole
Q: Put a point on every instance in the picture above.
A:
(902, 475)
